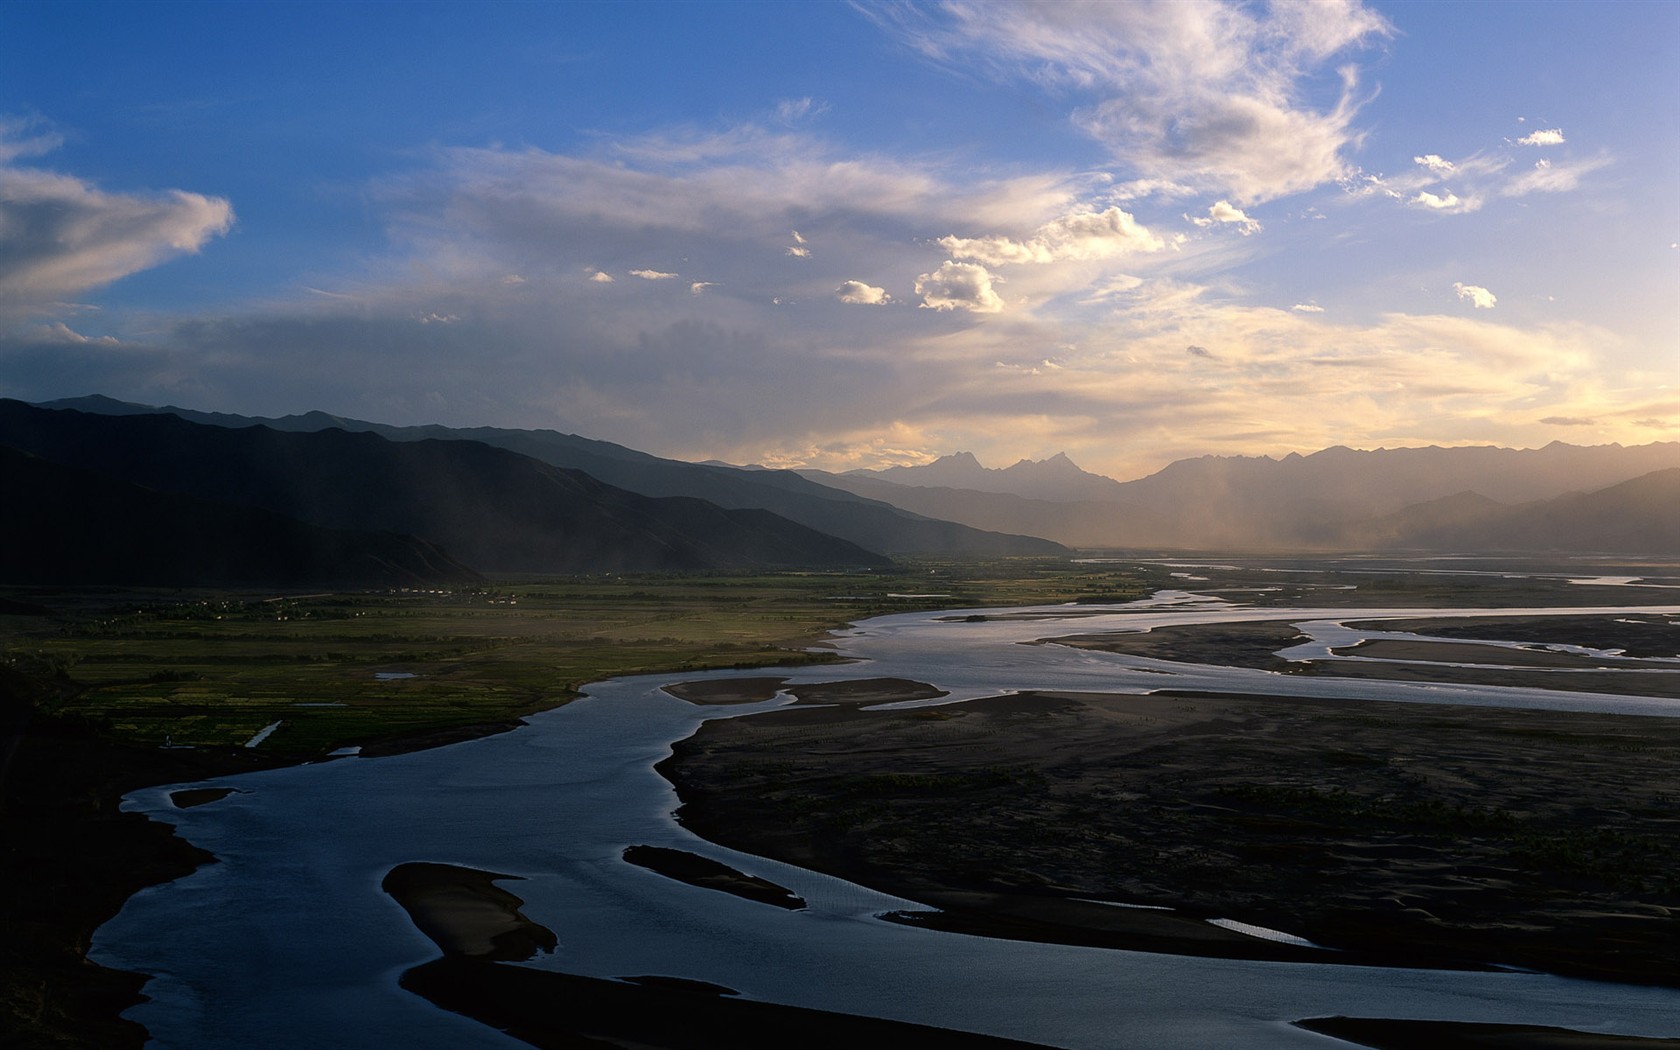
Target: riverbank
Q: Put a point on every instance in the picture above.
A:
(70, 860)
(1391, 833)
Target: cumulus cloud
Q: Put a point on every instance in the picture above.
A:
(1436, 164)
(959, 286)
(1082, 236)
(63, 235)
(1202, 94)
(1548, 137)
(699, 287)
(1307, 308)
(654, 275)
(859, 294)
(1479, 297)
(1448, 202)
(1198, 351)
(602, 277)
(1224, 212)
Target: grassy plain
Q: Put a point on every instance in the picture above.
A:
(215, 669)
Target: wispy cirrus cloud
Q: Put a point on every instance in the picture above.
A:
(61, 235)
(1202, 94)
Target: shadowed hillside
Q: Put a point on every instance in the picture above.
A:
(71, 526)
(869, 523)
(491, 509)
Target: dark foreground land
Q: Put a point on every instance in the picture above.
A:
(1395, 833)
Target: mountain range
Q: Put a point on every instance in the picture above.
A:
(491, 510)
(1336, 499)
(126, 493)
(871, 524)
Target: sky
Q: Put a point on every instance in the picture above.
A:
(845, 235)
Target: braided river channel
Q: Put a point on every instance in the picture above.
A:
(289, 940)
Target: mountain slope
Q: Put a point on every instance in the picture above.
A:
(64, 525)
(1328, 500)
(1639, 516)
(492, 509)
(1308, 501)
(871, 524)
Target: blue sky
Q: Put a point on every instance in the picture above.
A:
(852, 235)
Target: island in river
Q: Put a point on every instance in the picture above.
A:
(1366, 831)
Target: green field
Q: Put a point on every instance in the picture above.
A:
(199, 668)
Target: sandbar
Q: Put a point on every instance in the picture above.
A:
(465, 913)
(707, 873)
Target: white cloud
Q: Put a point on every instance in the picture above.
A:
(514, 280)
(1112, 288)
(1548, 137)
(602, 277)
(1436, 164)
(859, 294)
(1082, 236)
(1203, 94)
(1307, 308)
(1479, 297)
(1549, 177)
(62, 235)
(62, 334)
(1224, 212)
(653, 275)
(959, 286)
(26, 137)
(699, 287)
(799, 251)
(1449, 203)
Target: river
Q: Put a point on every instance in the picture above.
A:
(289, 941)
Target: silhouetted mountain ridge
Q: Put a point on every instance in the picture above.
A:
(490, 508)
(871, 524)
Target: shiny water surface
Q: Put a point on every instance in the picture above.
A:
(289, 941)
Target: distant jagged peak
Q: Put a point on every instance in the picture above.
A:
(1060, 463)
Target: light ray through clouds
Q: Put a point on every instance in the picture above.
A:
(696, 290)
